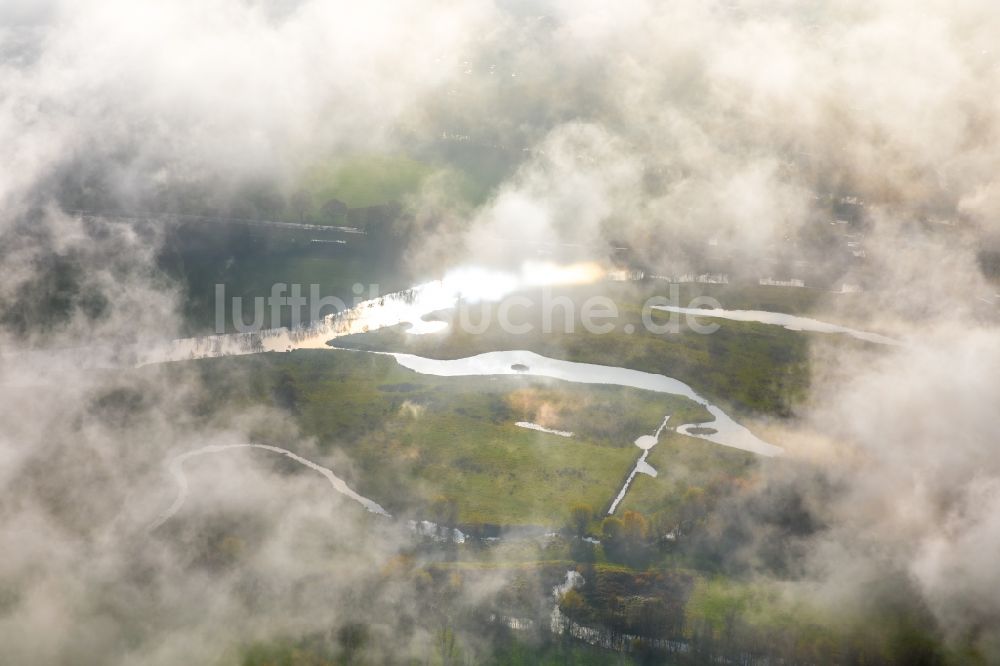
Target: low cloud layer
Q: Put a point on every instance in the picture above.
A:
(669, 128)
(921, 495)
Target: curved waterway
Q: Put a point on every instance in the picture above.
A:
(540, 428)
(176, 467)
(728, 432)
(411, 306)
(790, 322)
(407, 307)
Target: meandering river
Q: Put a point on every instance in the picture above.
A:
(727, 431)
(410, 307)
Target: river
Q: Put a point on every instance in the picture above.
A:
(727, 431)
(790, 322)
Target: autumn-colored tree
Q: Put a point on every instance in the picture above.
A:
(572, 603)
(635, 527)
(611, 529)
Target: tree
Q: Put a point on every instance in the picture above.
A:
(447, 645)
(352, 638)
(611, 529)
(286, 392)
(335, 211)
(572, 604)
(444, 511)
(580, 516)
(635, 528)
(301, 204)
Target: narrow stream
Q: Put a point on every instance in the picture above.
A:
(790, 322)
(540, 428)
(176, 467)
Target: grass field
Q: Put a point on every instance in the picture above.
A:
(372, 180)
(683, 464)
(365, 180)
(415, 439)
(791, 300)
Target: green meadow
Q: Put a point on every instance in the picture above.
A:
(414, 440)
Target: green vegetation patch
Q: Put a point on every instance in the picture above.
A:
(365, 180)
(415, 440)
(686, 467)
